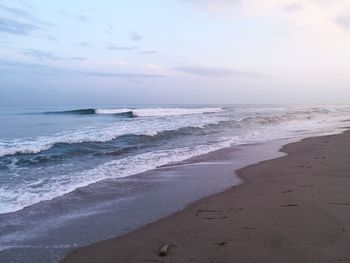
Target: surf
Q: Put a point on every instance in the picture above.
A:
(139, 112)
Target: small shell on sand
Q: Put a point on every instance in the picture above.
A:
(164, 250)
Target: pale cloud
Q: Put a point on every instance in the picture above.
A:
(343, 21)
(155, 68)
(125, 48)
(19, 21)
(8, 67)
(263, 7)
(83, 19)
(215, 72)
(40, 54)
(316, 23)
(46, 55)
(113, 65)
(125, 75)
(147, 52)
(10, 26)
(236, 7)
(134, 36)
(14, 11)
(109, 63)
(18, 68)
(293, 7)
(83, 44)
(77, 58)
(22, 14)
(308, 22)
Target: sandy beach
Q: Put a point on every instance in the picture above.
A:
(292, 209)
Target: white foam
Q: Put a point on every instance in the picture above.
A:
(173, 111)
(105, 134)
(27, 193)
(159, 112)
(112, 111)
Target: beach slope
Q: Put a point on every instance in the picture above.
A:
(292, 209)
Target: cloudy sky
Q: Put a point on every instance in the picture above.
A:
(174, 51)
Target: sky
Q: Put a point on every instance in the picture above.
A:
(107, 52)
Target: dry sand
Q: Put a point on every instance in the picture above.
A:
(292, 209)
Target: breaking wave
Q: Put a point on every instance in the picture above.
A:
(145, 112)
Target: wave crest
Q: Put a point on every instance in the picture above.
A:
(143, 112)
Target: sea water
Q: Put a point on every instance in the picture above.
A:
(46, 152)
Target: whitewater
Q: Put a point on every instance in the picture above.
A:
(46, 153)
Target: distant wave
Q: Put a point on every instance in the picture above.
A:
(77, 112)
(141, 127)
(125, 113)
(145, 112)
(149, 127)
(100, 135)
(120, 145)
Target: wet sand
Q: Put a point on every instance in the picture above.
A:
(292, 209)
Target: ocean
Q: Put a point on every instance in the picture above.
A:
(71, 176)
(48, 152)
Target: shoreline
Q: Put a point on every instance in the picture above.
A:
(248, 224)
(46, 231)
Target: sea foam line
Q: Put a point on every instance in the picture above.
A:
(95, 134)
(26, 195)
(160, 112)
